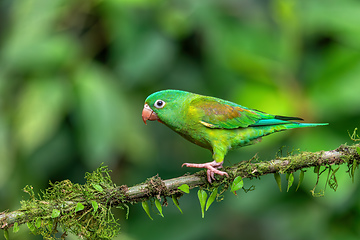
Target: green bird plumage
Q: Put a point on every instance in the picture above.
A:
(213, 123)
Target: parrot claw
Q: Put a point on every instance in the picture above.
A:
(212, 168)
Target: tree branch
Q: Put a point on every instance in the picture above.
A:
(341, 155)
(66, 197)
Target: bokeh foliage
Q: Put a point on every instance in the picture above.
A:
(74, 75)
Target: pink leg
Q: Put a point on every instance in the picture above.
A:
(212, 168)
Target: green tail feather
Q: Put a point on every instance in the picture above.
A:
(254, 133)
(284, 121)
(264, 130)
(301, 125)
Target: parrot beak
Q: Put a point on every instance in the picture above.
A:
(148, 114)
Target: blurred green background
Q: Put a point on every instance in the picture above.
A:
(74, 76)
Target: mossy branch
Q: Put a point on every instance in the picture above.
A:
(86, 209)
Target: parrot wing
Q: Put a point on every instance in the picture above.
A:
(217, 113)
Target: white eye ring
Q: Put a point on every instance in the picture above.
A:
(159, 103)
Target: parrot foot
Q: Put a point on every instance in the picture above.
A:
(212, 168)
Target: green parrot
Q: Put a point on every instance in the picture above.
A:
(213, 123)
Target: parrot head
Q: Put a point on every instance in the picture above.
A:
(163, 105)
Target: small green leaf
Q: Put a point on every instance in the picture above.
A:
(97, 187)
(55, 213)
(30, 226)
(145, 206)
(38, 223)
(49, 225)
(278, 180)
(301, 178)
(358, 150)
(6, 234)
(211, 198)
(95, 205)
(16, 227)
(185, 188)
(79, 207)
(353, 168)
(290, 177)
(237, 184)
(158, 206)
(176, 202)
(202, 195)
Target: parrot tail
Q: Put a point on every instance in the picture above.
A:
(289, 125)
(266, 129)
(299, 125)
(285, 123)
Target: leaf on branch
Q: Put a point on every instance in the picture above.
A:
(145, 206)
(354, 165)
(202, 195)
(176, 202)
(6, 234)
(49, 226)
(16, 227)
(211, 198)
(158, 206)
(278, 180)
(301, 178)
(237, 184)
(38, 223)
(55, 213)
(353, 168)
(31, 226)
(185, 188)
(95, 205)
(97, 187)
(290, 178)
(79, 207)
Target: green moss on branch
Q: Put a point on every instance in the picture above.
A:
(85, 210)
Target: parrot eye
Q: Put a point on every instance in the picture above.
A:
(159, 103)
